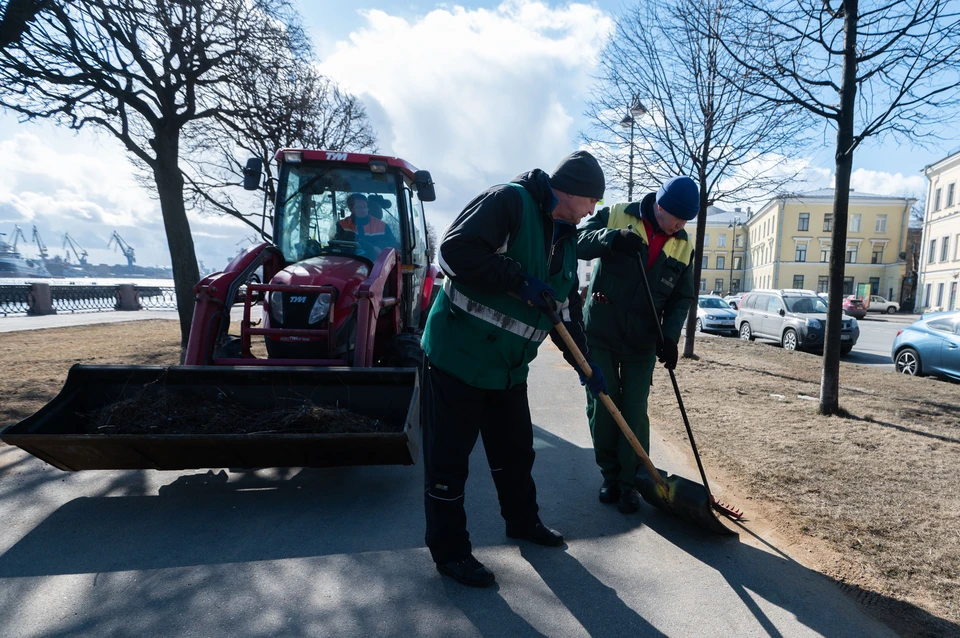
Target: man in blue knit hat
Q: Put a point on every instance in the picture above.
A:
(620, 328)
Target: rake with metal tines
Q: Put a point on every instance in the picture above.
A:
(724, 508)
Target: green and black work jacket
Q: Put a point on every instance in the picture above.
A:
(478, 329)
(618, 316)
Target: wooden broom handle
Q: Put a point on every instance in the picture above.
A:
(612, 408)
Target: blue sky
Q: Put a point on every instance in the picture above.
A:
(475, 92)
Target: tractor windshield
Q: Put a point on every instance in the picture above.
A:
(335, 210)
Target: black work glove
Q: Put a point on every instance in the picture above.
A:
(531, 292)
(668, 354)
(596, 383)
(627, 242)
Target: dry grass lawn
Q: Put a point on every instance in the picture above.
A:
(873, 499)
(875, 495)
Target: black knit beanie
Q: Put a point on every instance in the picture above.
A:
(579, 173)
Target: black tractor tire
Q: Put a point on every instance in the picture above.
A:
(407, 352)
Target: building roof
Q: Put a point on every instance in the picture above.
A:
(828, 193)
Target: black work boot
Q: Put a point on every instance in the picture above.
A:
(468, 571)
(539, 534)
(609, 491)
(629, 500)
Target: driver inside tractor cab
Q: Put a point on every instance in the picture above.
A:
(365, 224)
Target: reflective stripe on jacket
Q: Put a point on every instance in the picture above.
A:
(488, 339)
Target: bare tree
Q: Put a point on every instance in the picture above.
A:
(302, 109)
(146, 71)
(889, 68)
(694, 120)
(431, 242)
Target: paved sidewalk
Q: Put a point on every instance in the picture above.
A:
(62, 320)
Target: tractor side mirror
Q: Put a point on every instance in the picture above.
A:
(425, 190)
(251, 174)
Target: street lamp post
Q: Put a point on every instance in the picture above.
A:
(734, 225)
(636, 110)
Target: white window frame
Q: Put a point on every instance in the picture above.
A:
(855, 223)
(721, 241)
(881, 226)
(706, 240)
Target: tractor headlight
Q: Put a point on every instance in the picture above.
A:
(813, 323)
(321, 308)
(276, 306)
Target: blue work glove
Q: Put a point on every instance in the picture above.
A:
(596, 383)
(531, 292)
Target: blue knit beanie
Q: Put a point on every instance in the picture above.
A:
(680, 197)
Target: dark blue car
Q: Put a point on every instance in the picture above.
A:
(929, 346)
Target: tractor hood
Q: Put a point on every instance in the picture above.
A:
(344, 273)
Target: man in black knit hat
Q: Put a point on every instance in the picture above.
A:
(510, 245)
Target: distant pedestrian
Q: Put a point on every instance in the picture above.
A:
(621, 330)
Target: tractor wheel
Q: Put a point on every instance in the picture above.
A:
(407, 352)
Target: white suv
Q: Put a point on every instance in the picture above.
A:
(879, 304)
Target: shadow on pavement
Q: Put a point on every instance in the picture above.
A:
(366, 514)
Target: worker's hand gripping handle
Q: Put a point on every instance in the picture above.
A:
(607, 401)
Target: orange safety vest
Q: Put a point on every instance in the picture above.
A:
(373, 226)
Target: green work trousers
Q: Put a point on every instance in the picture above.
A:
(628, 380)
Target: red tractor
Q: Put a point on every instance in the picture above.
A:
(347, 285)
(348, 275)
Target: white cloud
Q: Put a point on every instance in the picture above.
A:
(882, 183)
(474, 96)
(88, 190)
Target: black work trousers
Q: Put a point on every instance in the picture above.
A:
(453, 414)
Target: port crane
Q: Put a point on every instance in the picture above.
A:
(17, 234)
(40, 245)
(70, 243)
(124, 247)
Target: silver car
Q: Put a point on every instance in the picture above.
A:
(796, 319)
(715, 315)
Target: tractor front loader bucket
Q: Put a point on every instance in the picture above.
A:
(385, 400)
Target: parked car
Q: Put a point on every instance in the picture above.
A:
(734, 300)
(715, 315)
(879, 304)
(930, 345)
(797, 319)
(853, 307)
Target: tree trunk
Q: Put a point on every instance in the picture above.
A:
(180, 241)
(697, 269)
(830, 379)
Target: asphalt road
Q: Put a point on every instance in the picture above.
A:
(339, 552)
(877, 333)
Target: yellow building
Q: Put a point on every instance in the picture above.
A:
(789, 238)
(940, 247)
(722, 259)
